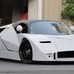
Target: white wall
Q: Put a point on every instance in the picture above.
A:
(52, 9)
(45, 9)
(33, 9)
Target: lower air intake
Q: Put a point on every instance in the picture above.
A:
(66, 54)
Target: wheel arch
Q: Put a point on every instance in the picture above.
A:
(23, 41)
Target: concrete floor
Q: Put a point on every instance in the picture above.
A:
(15, 67)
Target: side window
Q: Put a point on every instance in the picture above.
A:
(1, 29)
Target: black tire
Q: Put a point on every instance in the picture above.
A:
(25, 51)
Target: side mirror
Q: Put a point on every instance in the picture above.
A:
(19, 28)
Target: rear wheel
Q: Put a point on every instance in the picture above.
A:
(25, 52)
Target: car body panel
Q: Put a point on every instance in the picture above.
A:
(9, 38)
(44, 47)
(63, 43)
(41, 51)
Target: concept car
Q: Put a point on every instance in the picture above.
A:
(38, 40)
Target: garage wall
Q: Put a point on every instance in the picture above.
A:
(33, 9)
(45, 9)
(52, 9)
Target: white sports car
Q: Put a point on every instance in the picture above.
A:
(39, 40)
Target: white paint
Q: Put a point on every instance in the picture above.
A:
(9, 38)
(41, 51)
(40, 9)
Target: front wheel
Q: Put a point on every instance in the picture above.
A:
(25, 52)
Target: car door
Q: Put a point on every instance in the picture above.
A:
(10, 39)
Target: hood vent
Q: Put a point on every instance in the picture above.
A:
(45, 41)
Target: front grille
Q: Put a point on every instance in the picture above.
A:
(65, 54)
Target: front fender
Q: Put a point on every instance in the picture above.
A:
(40, 50)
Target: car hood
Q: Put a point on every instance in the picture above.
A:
(58, 42)
(63, 43)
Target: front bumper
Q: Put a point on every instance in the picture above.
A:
(57, 56)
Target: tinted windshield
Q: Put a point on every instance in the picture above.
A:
(49, 28)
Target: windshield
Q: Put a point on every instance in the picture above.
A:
(49, 28)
